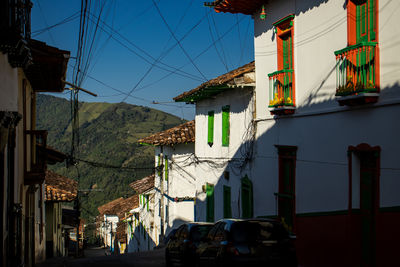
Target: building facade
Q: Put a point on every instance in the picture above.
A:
(325, 153)
(27, 66)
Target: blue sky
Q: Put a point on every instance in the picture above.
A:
(124, 61)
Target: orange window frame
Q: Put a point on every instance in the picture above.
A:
(284, 29)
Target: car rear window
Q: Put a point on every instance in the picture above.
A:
(199, 231)
(257, 231)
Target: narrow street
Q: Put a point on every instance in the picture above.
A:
(97, 257)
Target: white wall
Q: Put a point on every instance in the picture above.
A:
(241, 109)
(8, 85)
(181, 183)
(214, 161)
(321, 129)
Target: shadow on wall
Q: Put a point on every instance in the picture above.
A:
(297, 8)
(140, 239)
(313, 138)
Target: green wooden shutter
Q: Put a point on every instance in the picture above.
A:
(147, 202)
(285, 53)
(210, 139)
(166, 168)
(362, 15)
(227, 202)
(210, 202)
(247, 198)
(372, 20)
(158, 165)
(225, 125)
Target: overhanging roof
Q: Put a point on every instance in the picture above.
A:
(59, 188)
(144, 184)
(227, 81)
(48, 68)
(247, 7)
(181, 134)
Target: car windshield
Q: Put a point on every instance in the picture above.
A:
(199, 231)
(251, 231)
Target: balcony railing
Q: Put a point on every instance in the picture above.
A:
(15, 30)
(36, 156)
(281, 92)
(356, 69)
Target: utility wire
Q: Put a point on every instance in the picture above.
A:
(163, 54)
(201, 53)
(109, 166)
(215, 46)
(176, 39)
(45, 22)
(66, 20)
(110, 31)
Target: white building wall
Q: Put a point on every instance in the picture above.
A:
(181, 183)
(8, 85)
(321, 129)
(213, 161)
(240, 119)
(109, 229)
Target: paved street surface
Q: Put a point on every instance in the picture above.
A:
(96, 257)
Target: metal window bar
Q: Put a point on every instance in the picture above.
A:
(281, 88)
(355, 69)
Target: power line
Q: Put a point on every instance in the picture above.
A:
(65, 20)
(111, 34)
(179, 43)
(162, 55)
(45, 22)
(201, 53)
(216, 49)
(109, 166)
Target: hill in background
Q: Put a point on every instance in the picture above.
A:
(108, 134)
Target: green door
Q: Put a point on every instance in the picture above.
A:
(366, 21)
(368, 202)
(210, 202)
(247, 198)
(286, 192)
(227, 202)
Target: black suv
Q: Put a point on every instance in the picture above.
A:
(182, 245)
(247, 242)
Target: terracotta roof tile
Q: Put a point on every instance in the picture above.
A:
(59, 188)
(119, 206)
(104, 208)
(143, 184)
(224, 79)
(181, 134)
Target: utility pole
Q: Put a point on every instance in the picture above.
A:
(161, 171)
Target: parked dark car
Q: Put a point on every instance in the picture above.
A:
(163, 243)
(182, 245)
(250, 242)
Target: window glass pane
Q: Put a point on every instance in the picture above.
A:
(213, 230)
(200, 231)
(220, 234)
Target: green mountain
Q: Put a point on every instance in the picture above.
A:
(108, 134)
